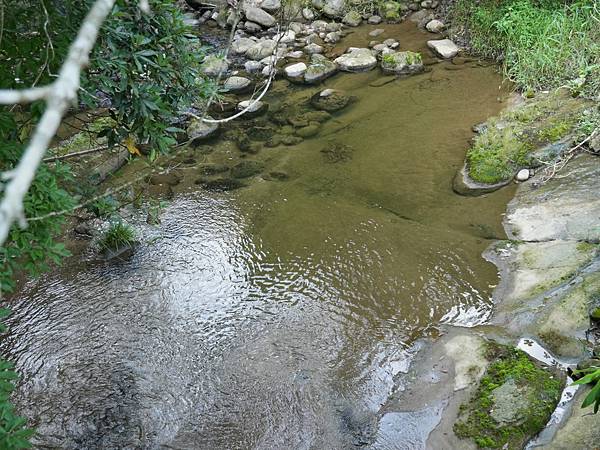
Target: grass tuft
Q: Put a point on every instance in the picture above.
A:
(117, 236)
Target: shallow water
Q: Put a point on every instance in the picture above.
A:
(281, 315)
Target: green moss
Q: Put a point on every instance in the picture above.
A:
(388, 59)
(541, 387)
(391, 11)
(506, 144)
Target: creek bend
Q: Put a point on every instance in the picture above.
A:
(282, 314)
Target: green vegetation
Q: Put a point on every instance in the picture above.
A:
(542, 43)
(413, 58)
(118, 235)
(388, 59)
(14, 433)
(541, 390)
(592, 377)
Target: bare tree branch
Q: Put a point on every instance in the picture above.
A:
(59, 96)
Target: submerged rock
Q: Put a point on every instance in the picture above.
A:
(247, 168)
(199, 130)
(330, 100)
(336, 152)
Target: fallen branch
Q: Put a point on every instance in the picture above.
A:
(74, 154)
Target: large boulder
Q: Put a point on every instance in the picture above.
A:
(358, 60)
(444, 48)
(402, 63)
(259, 16)
(319, 69)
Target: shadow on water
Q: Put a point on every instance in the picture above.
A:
(281, 315)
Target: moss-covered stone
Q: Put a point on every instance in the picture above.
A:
(246, 169)
(518, 138)
(513, 401)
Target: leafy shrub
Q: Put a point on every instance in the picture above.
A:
(592, 376)
(149, 67)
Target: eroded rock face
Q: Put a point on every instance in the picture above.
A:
(358, 60)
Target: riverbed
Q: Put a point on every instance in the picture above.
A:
(282, 314)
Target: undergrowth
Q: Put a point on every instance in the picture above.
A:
(542, 43)
(117, 236)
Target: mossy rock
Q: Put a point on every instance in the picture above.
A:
(517, 139)
(513, 401)
(246, 169)
(336, 152)
(212, 169)
(391, 11)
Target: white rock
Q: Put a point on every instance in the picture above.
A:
(308, 14)
(359, 60)
(254, 105)
(313, 48)
(523, 175)
(333, 37)
(374, 20)
(444, 48)
(295, 70)
(326, 92)
(390, 42)
(435, 26)
(286, 37)
(295, 55)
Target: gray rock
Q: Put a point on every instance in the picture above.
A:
(319, 69)
(241, 45)
(308, 14)
(319, 26)
(295, 55)
(402, 63)
(259, 16)
(390, 42)
(329, 100)
(435, 26)
(422, 17)
(334, 8)
(376, 32)
(214, 65)
(317, 4)
(510, 404)
(198, 130)
(270, 5)
(431, 4)
(374, 20)
(236, 84)
(359, 60)
(252, 27)
(444, 48)
(285, 37)
(333, 37)
(261, 50)
(252, 66)
(352, 19)
(313, 48)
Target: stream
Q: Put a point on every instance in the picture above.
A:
(281, 315)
